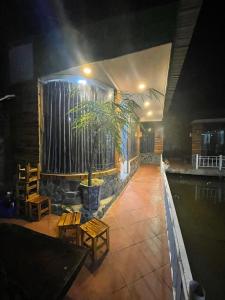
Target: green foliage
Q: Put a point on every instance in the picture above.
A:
(107, 118)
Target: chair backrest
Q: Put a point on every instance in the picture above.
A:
(27, 181)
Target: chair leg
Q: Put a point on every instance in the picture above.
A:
(49, 207)
(39, 211)
(94, 249)
(82, 238)
(107, 239)
(78, 235)
(30, 210)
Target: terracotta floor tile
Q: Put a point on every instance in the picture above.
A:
(140, 290)
(140, 231)
(140, 214)
(112, 222)
(122, 294)
(131, 263)
(164, 274)
(158, 288)
(119, 239)
(124, 218)
(108, 279)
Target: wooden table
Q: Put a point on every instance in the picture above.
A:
(35, 266)
(70, 221)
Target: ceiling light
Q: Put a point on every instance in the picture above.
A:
(149, 113)
(87, 70)
(110, 95)
(82, 81)
(149, 130)
(141, 86)
(146, 104)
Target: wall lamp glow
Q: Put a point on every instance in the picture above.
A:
(82, 81)
(149, 113)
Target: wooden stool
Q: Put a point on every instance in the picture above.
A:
(92, 231)
(70, 221)
(38, 205)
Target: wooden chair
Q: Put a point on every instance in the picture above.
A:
(93, 231)
(29, 201)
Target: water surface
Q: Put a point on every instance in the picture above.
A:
(200, 207)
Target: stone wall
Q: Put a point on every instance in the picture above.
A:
(66, 192)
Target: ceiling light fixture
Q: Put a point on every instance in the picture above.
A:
(146, 104)
(141, 86)
(87, 70)
(149, 113)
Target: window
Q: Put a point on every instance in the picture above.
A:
(213, 142)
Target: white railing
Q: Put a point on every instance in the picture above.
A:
(184, 288)
(200, 161)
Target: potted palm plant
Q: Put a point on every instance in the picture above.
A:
(102, 117)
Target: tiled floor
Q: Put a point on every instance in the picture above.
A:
(137, 265)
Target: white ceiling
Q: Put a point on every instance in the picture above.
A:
(126, 72)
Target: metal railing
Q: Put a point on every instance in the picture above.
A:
(200, 161)
(184, 287)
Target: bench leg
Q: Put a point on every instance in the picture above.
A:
(30, 210)
(78, 236)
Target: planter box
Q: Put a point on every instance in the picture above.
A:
(91, 196)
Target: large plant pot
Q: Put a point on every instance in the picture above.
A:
(91, 196)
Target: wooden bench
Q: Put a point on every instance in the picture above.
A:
(70, 221)
(92, 231)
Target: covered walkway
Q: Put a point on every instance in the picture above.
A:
(137, 265)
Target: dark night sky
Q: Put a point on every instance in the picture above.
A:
(21, 18)
(200, 91)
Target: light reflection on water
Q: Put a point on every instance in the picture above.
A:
(200, 206)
